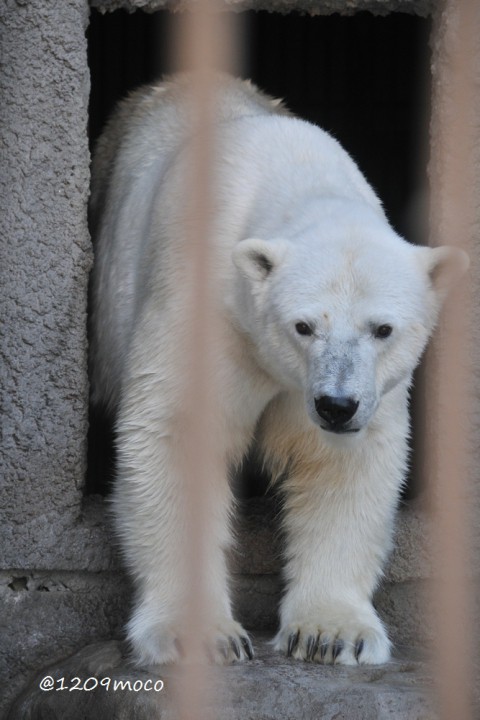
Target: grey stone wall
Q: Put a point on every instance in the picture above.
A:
(45, 258)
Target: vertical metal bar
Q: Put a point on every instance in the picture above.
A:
(202, 41)
(449, 377)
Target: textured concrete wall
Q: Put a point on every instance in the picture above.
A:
(455, 178)
(45, 257)
(456, 192)
(313, 7)
(44, 88)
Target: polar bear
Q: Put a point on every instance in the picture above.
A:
(326, 313)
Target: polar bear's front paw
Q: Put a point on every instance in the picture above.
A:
(336, 635)
(230, 643)
(226, 642)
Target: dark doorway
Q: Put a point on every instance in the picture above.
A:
(363, 78)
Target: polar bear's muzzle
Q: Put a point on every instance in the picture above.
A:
(336, 412)
(342, 394)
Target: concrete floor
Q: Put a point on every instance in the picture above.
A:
(269, 687)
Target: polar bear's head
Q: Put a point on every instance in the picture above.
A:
(342, 309)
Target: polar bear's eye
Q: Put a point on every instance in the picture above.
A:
(383, 331)
(303, 328)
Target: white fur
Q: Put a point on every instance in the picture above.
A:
(300, 237)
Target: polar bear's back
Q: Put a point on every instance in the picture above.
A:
(154, 120)
(147, 130)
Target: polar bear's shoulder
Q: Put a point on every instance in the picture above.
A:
(168, 99)
(155, 119)
(235, 97)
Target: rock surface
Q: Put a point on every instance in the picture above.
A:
(50, 613)
(268, 688)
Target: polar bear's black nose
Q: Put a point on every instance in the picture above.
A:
(336, 411)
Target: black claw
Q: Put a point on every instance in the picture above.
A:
(312, 647)
(337, 648)
(293, 639)
(358, 649)
(235, 647)
(323, 649)
(247, 646)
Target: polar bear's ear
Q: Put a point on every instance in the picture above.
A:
(444, 265)
(256, 259)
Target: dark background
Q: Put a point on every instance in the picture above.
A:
(364, 79)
